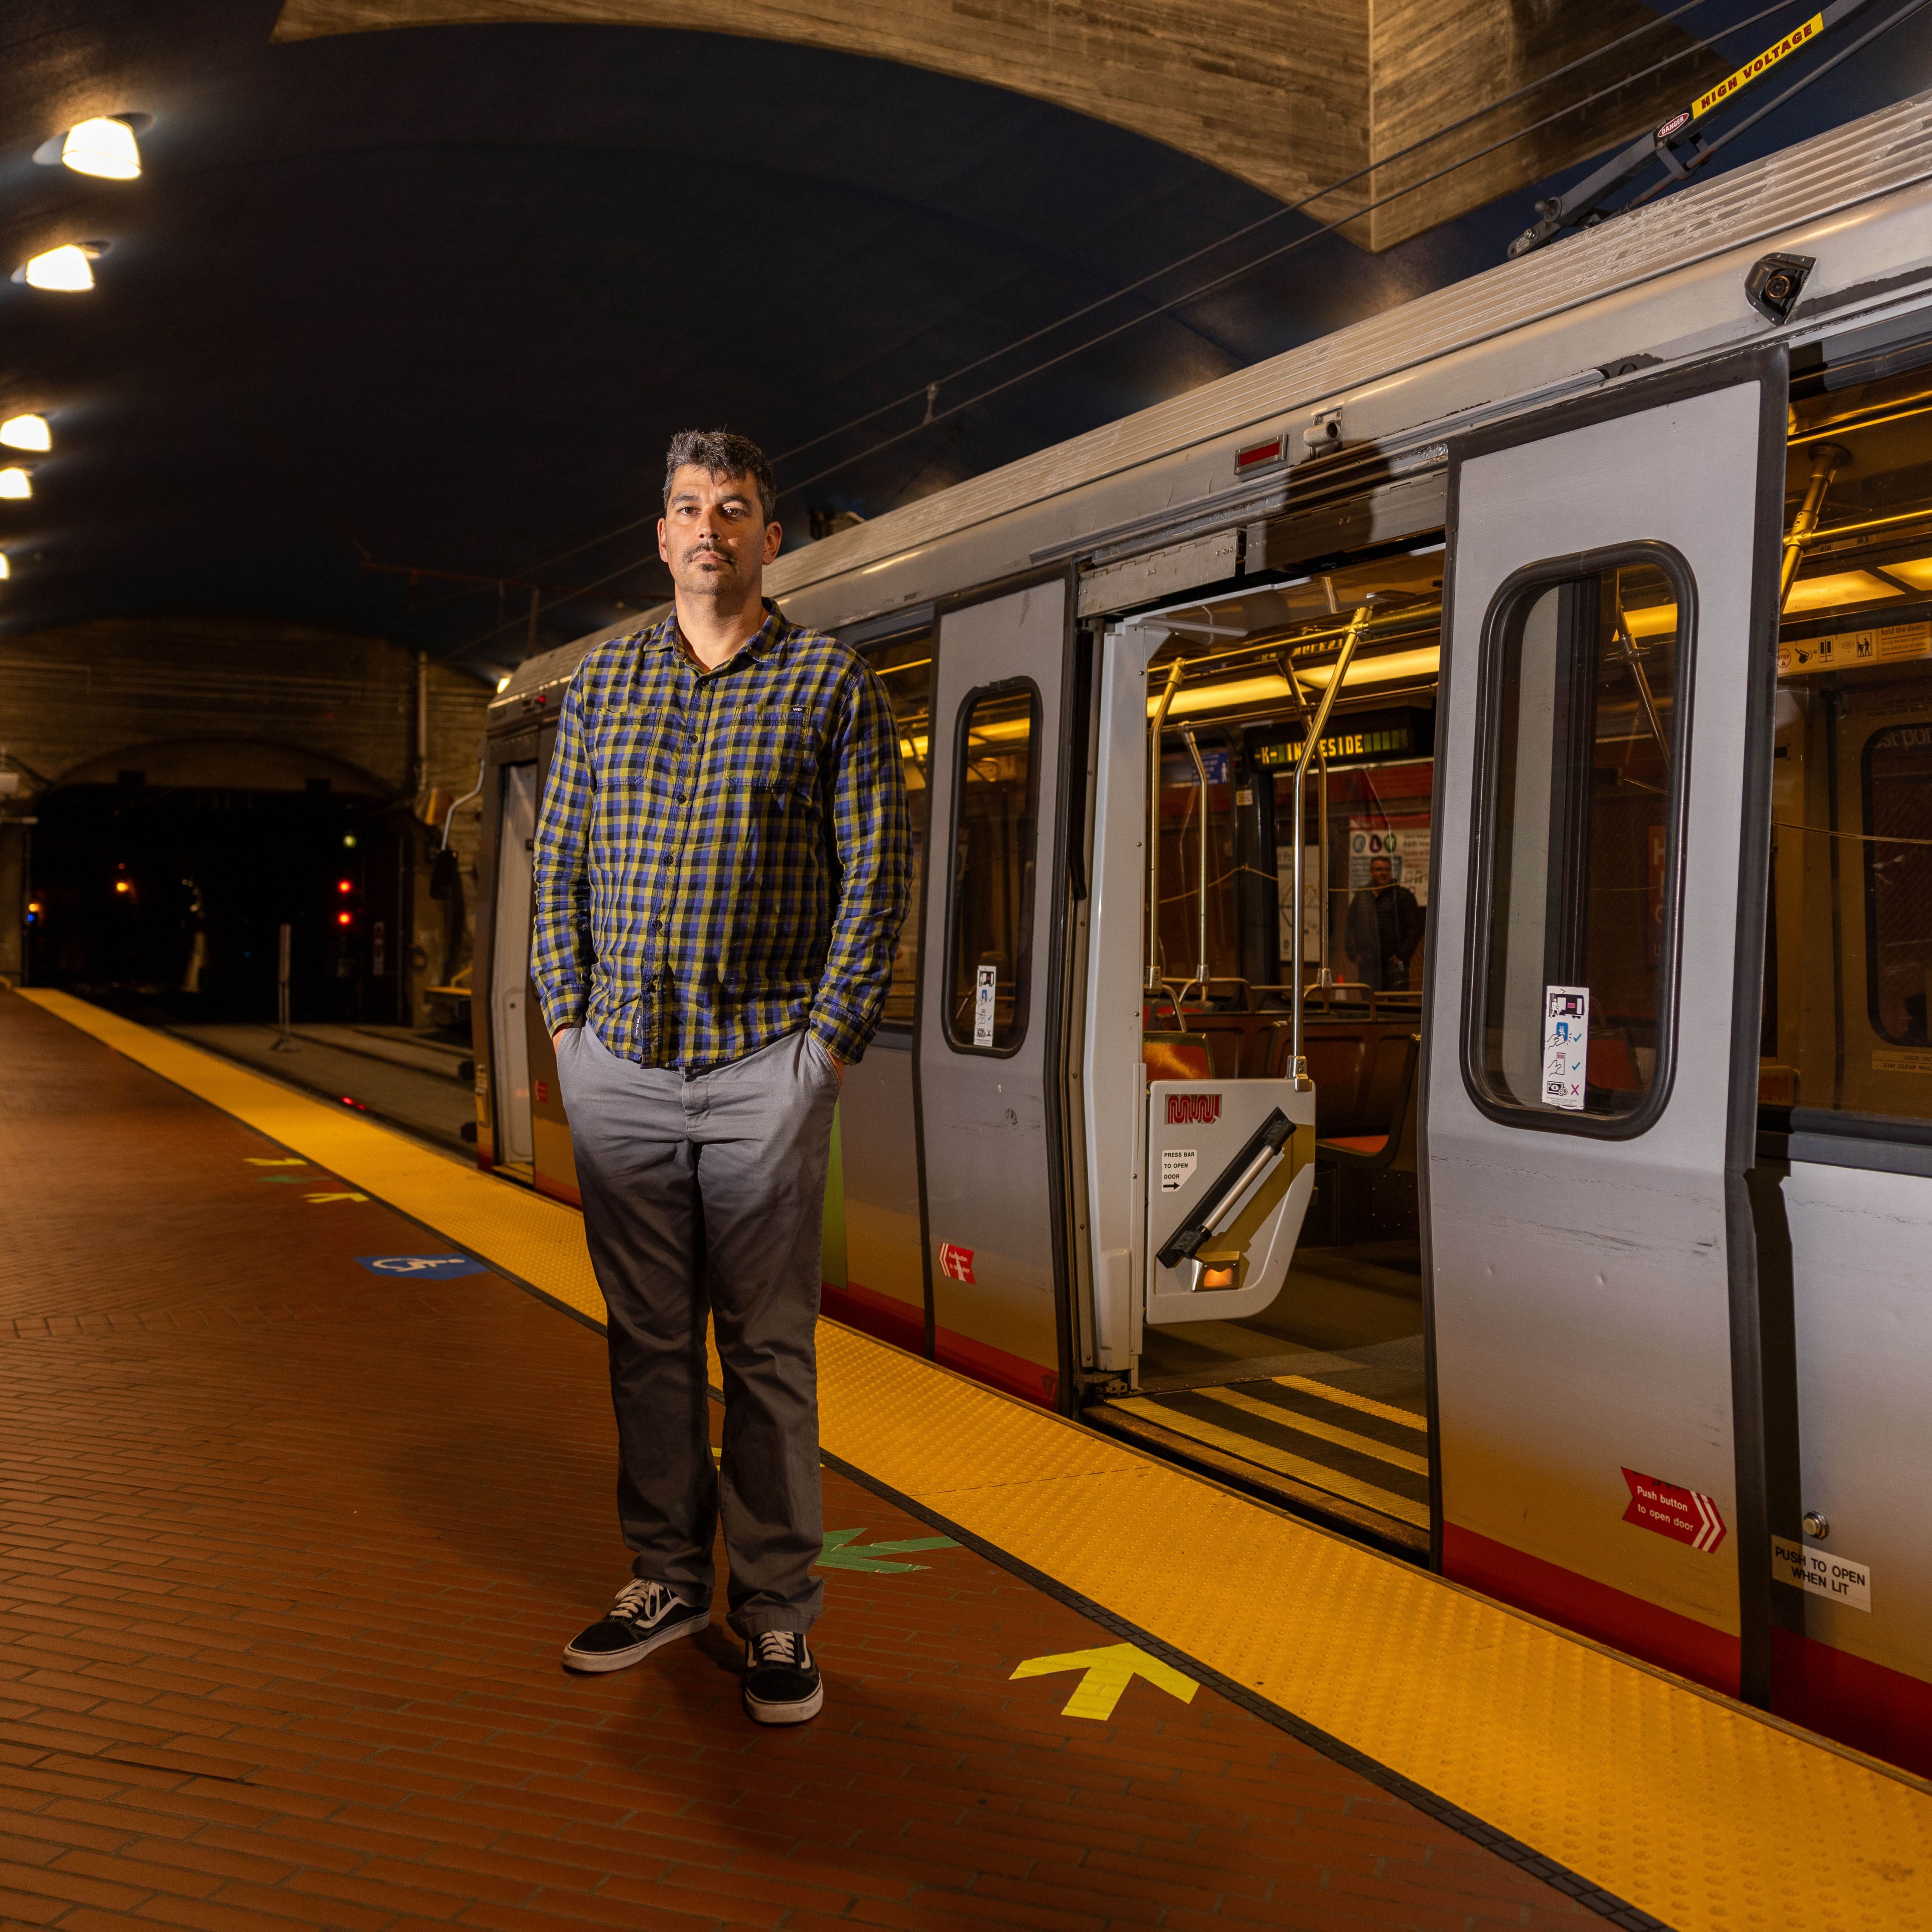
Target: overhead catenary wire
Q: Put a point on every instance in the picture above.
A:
(1198, 293)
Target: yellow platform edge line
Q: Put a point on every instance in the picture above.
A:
(1694, 1809)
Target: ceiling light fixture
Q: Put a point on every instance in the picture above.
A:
(26, 432)
(103, 147)
(68, 269)
(6, 569)
(16, 483)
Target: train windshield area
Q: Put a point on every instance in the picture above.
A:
(1324, 1390)
(1848, 964)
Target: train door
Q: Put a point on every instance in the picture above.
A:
(987, 1026)
(1594, 989)
(510, 969)
(1256, 1301)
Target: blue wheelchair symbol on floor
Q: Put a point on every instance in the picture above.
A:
(422, 1267)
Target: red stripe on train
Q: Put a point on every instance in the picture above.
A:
(1592, 1609)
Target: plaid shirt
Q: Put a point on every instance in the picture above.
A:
(722, 856)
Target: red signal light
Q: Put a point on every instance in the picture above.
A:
(343, 918)
(343, 885)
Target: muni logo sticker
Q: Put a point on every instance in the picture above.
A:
(1193, 1110)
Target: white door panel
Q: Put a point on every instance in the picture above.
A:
(1583, 1283)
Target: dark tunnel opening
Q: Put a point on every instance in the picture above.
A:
(165, 902)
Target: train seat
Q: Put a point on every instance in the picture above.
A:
(1392, 1086)
(1176, 1056)
(1610, 1065)
(1238, 1038)
(1357, 1067)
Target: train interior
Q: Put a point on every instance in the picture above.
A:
(1320, 1397)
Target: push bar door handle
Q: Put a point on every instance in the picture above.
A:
(1260, 1151)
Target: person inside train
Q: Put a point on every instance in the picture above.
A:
(720, 876)
(1384, 929)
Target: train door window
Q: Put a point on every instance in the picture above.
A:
(1584, 744)
(1897, 845)
(905, 668)
(1848, 967)
(990, 923)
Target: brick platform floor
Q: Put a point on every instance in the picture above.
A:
(287, 1551)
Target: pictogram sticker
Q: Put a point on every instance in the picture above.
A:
(1684, 1515)
(956, 1264)
(986, 997)
(422, 1267)
(1109, 1670)
(1566, 1044)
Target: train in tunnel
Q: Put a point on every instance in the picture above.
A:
(1415, 1002)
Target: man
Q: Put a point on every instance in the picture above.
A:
(721, 877)
(1384, 929)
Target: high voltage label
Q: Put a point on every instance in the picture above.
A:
(1750, 71)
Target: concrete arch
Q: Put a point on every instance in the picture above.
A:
(226, 764)
(1287, 95)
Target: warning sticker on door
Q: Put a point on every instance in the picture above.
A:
(1176, 1167)
(1818, 1574)
(1566, 1044)
(1684, 1515)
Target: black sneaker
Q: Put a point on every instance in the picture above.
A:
(782, 1684)
(645, 1616)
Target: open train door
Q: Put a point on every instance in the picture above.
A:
(1594, 989)
(988, 1021)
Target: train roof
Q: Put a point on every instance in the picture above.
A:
(1131, 482)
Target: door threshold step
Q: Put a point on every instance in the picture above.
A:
(1353, 1520)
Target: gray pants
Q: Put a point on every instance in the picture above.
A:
(710, 1192)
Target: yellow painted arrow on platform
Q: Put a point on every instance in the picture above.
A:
(291, 1160)
(335, 1197)
(1109, 1669)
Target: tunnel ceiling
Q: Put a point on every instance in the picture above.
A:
(433, 298)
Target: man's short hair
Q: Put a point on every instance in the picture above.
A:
(724, 454)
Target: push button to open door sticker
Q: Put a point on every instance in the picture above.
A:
(1566, 1044)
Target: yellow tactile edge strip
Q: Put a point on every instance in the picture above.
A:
(1692, 1809)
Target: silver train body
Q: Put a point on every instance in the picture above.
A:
(1676, 1324)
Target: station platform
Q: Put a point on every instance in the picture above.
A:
(305, 1478)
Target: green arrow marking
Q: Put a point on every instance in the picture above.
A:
(836, 1555)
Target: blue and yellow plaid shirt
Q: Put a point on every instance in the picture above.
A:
(722, 856)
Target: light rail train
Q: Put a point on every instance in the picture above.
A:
(1416, 996)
